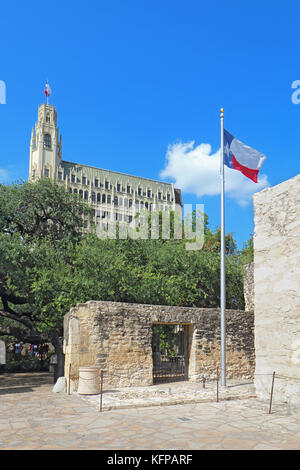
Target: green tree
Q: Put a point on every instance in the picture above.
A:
(247, 253)
(39, 222)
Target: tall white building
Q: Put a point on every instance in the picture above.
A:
(110, 194)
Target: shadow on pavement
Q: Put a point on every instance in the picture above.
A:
(5, 391)
(24, 382)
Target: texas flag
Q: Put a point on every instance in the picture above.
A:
(241, 157)
(47, 90)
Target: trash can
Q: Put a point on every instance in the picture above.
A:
(89, 381)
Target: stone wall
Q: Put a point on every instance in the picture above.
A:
(117, 337)
(277, 288)
(249, 286)
(2, 353)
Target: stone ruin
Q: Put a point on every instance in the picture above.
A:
(118, 338)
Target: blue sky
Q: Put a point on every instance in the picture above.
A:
(139, 84)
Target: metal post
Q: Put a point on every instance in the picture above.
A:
(271, 397)
(69, 379)
(101, 389)
(217, 384)
(222, 274)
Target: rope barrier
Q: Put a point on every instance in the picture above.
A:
(204, 381)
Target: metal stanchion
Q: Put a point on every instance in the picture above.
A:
(69, 379)
(101, 389)
(271, 397)
(217, 384)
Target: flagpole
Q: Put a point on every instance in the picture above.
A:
(222, 273)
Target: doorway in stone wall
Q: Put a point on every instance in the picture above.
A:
(169, 352)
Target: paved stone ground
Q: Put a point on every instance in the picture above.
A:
(33, 417)
(170, 394)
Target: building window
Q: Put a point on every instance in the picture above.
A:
(75, 191)
(116, 201)
(128, 189)
(93, 197)
(106, 185)
(149, 193)
(159, 196)
(46, 173)
(98, 197)
(60, 175)
(109, 199)
(48, 118)
(86, 195)
(118, 187)
(168, 197)
(130, 203)
(84, 180)
(80, 193)
(73, 178)
(103, 198)
(139, 191)
(47, 141)
(70, 190)
(96, 183)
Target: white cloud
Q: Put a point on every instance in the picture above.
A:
(3, 175)
(194, 169)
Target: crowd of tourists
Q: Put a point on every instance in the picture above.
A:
(34, 350)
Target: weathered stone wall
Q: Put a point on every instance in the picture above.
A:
(2, 352)
(117, 337)
(277, 288)
(249, 286)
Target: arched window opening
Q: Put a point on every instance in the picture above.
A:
(47, 141)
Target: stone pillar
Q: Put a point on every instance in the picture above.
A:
(277, 289)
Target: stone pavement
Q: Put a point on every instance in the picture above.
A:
(33, 417)
(176, 393)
